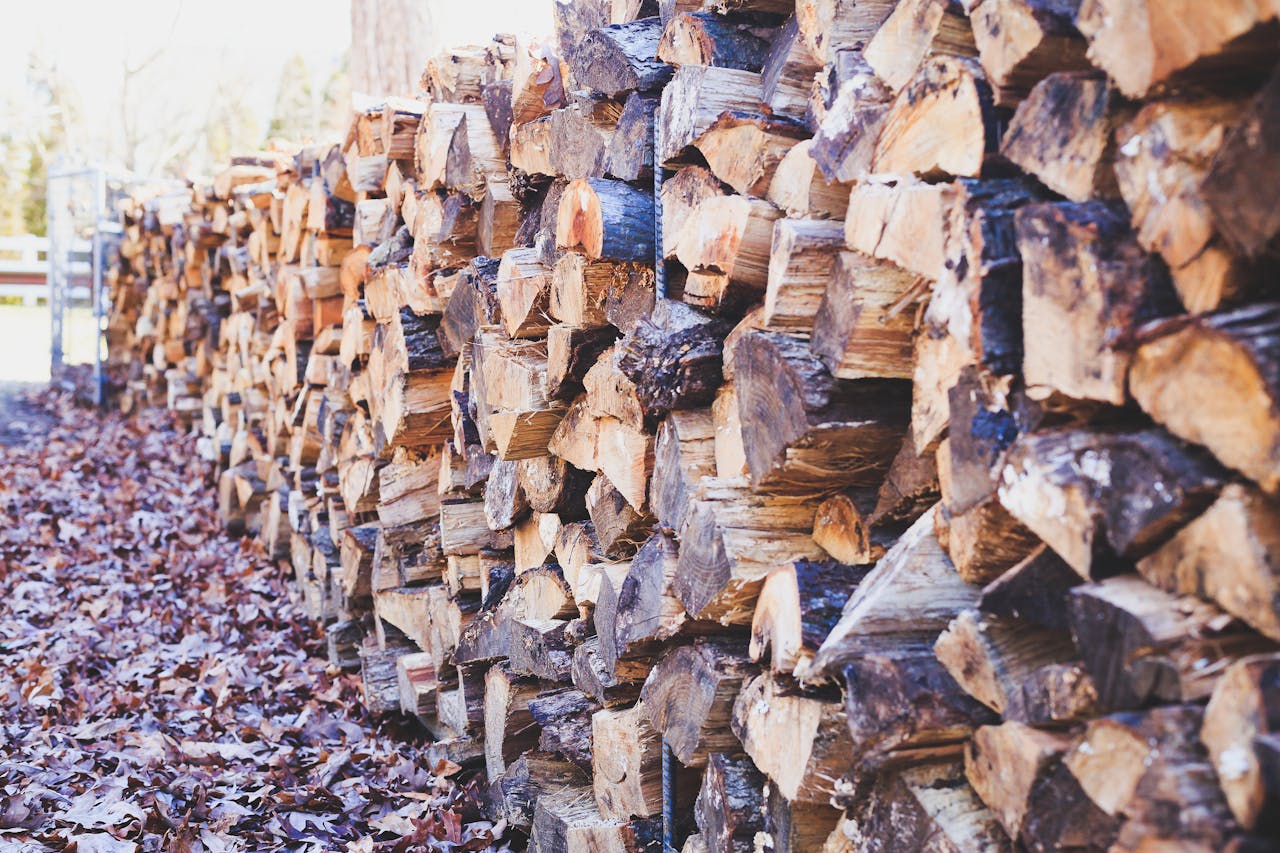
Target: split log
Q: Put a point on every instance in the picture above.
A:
(841, 526)
(915, 30)
(509, 727)
(945, 92)
(861, 328)
(1143, 645)
(684, 453)
(611, 689)
(626, 764)
(689, 697)
(729, 810)
(540, 648)
(1095, 496)
(1084, 279)
(800, 263)
(564, 720)
(673, 358)
(531, 148)
(1230, 358)
(634, 618)
(910, 488)
(498, 220)
(630, 153)
(1242, 708)
(568, 820)
(417, 682)
(845, 143)
(994, 659)
(529, 780)
(743, 149)
(681, 196)
(912, 593)
(827, 26)
(800, 742)
(725, 245)
(1163, 156)
(1022, 41)
(1245, 163)
(986, 541)
(805, 431)
(1230, 554)
(619, 526)
(799, 604)
(621, 58)
(930, 809)
(535, 539)
(580, 137)
(789, 70)
(607, 219)
(552, 485)
(730, 541)
(694, 100)
(801, 190)
(1143, 46)
(1034, 590)
(900, 220)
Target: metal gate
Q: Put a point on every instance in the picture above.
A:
(83, 232)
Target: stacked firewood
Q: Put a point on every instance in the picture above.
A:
(875, 404)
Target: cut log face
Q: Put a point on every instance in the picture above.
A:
(1091, 496)
(1021, 42)
(725, 244)
(1145, 45)
(1162, 160)
(800, 188)
(681, 196)
(799, 604)
(1241, 709)
(801, 743)
(743, 150)
(948, 93)
(689, 698)
(800, 264)
(694, 99)
(1230, 554)
(1230, 358)
(684, 453)
(805, 431)
(607, 219)
(863, 328)
(914, 30)
(1171, 649)
(1086, 278)
(701, 38)
(900, 221)
(621, 58)
(626, 764)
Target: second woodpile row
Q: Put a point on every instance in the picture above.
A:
(875, 402)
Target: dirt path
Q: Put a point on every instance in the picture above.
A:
(159, 689)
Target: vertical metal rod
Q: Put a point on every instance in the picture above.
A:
(668, 797)
(53, 223)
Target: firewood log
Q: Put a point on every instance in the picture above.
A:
(542, 649)
(926, 808)
(986, 541)
(1241, 709)
(621, 58)
(534, 539)
(1034, 590)
(913, 592)
(580, 138)
(1237, 347)
(910, 489)
(568, 820)
(1085, 276)
(744, 150)
(672, 358)
(497, 219)
(408, 489)
(700, 38)
(564, 718)
(900, 221)
(788, 72)
(800, 264)
(694, 100)
(689, 698)
(798, 605)
(1141, 644)
(842, 528)
(945, 92)
(571, 353)
(1245, 161)
(379, 681)
(861, 328)
(417, 683)
(630, 153)
(840, 433)
(799, 188)
(531, 147)
(610, 688)
(725, 244)
(527, 781)
(1163, 156)
(524, 293)
(681, 196)
(829, 25)
(626, 764)
(552, 485)
(845, 142)
(993, 659)
(1229, 555)
(608, 219)
(729, 809)
(914, 30)
(903, 707)
(456, 75)
(684, 453)
(1142, 47)
(357, 560)
(1104, 500)
(800, 742)
(509, 727)
(1022, 41)
(730, 541)
(645, 612)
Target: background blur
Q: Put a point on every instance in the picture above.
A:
(156, 89)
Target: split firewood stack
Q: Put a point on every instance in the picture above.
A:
(875, 404)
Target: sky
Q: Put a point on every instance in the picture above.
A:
(196, 46)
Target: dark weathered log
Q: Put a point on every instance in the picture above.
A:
(621, 58)
(1034, 590)
(540, 647)
(607, 219)
(642, 611)
(580, 138)
(630, 153)
(528, 780)
(1093, 496)
(799, 604)
(611, 689)
(564, 717)
(673, 357)
(701, 38)
(1143, 645)
(689, 698)
(1245, 164)
(505, 503)
(909, 489)
(1232, 359)
(729, 810)
(806, 431)
(845, 143)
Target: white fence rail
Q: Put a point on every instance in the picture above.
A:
(24, 268)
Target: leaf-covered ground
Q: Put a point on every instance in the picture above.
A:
(160, 690)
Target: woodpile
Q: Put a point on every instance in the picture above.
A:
(874, 404)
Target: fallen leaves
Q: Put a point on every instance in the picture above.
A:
(162, 690)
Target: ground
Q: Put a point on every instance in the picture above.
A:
(160, 689)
